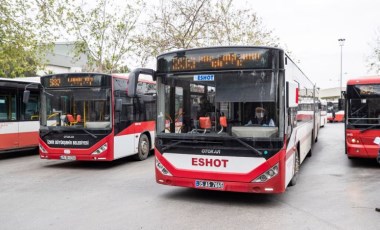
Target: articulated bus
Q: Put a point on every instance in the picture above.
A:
(19, 122)
(362, 123)
(238, 112)
(91, 116)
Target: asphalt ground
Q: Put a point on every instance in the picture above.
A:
(332, 192)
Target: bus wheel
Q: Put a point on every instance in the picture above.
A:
(144, 148)
(293, 181)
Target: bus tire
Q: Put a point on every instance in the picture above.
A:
(293, 181)
(309, 154)
(143, 149)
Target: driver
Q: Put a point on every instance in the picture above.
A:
(261, 118)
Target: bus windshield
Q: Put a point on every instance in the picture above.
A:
(237, 104)
(363, 106)
(77, 107)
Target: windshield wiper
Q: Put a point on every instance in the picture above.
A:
(191, 142)
(368, 128)
(88, 132)
(47, 133)
(247, 146)
(212, 142)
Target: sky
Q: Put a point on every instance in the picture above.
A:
(310, 29)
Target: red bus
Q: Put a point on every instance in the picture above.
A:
(335, 107)
(362, 117)
(18, 121)
(238, 112)
(92, 116)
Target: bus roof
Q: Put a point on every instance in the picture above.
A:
(142, 77)
(22, 79)
(218, 47)
(364, 80)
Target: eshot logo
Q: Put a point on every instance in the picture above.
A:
(208, 77)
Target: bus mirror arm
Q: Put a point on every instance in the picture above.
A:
(134, 78)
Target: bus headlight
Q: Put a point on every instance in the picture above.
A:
(42, 149)
(162, 169)
(355, 141)
(270, 173)
(100, 150)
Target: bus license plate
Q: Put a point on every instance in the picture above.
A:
(209, 184)
(71, 158)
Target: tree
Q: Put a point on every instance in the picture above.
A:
(182, 24)
(103, 32)
(374, 57)
(236, 26)
(175, 24)
(20, 38)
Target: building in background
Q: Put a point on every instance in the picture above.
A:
(62, 59)
(331, 94)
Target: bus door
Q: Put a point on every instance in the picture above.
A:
(29, 121)
(124, 130)
(174, 117)
(9, 127)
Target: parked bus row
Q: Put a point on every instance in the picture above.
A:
(221, 118)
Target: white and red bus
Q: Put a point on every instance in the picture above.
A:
(93, 116)
(362, 123)
(19, 122)
(335, 111)
(238, 109)
(309, 108)
(323, 112)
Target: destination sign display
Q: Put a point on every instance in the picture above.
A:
(75, 80)
(215, 59)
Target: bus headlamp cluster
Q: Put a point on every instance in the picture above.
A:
(101, 149)
(42, 149)
(162, 169)
(354, 141)
(269, 174)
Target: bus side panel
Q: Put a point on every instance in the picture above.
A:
(126, 142)
(304, 133)
(290, 155)
(28, 135)
(8, 135)
(124, 145)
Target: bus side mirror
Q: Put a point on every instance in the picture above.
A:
(25, 96)
(134, 78)
(118, 105)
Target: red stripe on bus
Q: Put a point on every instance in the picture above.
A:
(9, 141)
(138, 127)
(28, 139)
